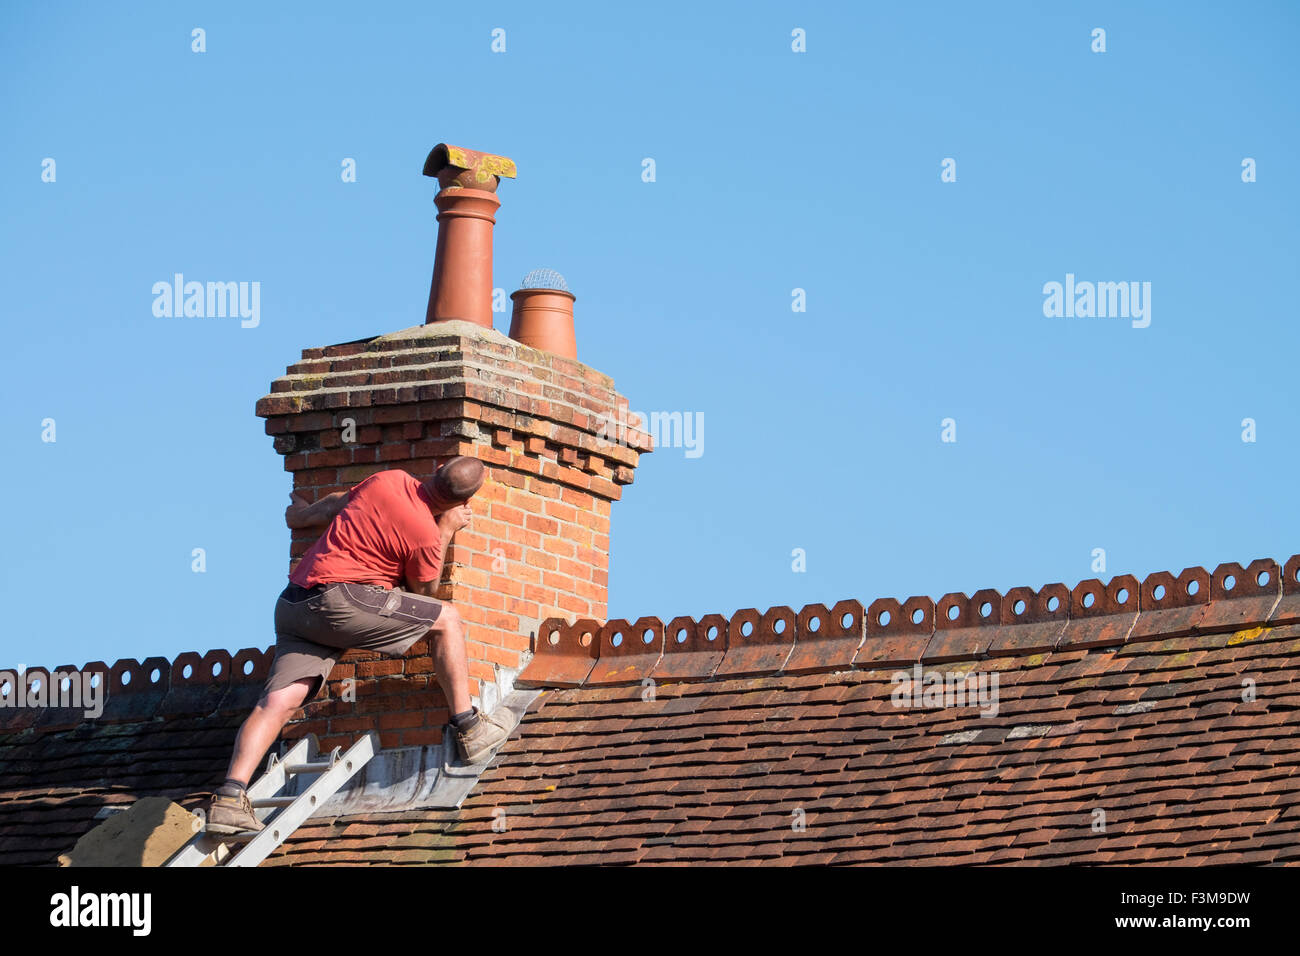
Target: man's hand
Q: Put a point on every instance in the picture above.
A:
(453, 519)
(301, 514)
(295, 516)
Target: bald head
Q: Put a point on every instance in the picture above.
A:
(456, 481)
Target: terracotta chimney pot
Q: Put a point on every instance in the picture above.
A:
(543, 314)
(462, 267)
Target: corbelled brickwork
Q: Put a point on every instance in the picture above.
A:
(538, 545)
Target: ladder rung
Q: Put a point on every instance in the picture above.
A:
(273, 802)
(333, 771)
(318, 766)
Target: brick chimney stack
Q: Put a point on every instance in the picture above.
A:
(553, 432)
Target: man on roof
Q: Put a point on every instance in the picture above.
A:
(369, 582)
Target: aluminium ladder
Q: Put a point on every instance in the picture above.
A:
(270, 792)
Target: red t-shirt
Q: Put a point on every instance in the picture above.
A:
(385, 534)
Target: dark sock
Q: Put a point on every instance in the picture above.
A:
(465, 721)
(232, 787)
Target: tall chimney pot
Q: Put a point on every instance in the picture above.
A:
(467, 201)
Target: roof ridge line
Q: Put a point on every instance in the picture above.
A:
(779, 640)
(987, 624)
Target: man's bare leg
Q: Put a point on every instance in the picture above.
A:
(477, 735)
(264, 725)
(447, 645)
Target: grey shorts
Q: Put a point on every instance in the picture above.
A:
(315, 626)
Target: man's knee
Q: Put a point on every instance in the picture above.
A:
(448, 621)
(288, 698)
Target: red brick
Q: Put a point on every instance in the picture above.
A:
(541, 595)
(589, 591)
(479, 559)
(573, 568)
(379, 668)
(525, 500)
(522, 608)
(559, 546)
(510, 479)
(546, 526)
(499, 655)
(561, 511)
(505, 513)
(435, 448)
(430, 737)
(507, 622)
(525, 574)
(412, 718)
(542, 561)
(341, 725)
(487, 530)
(546, 489)
(576, 498)
(491, 491)
(573, 604)
(501, 584)
(315, 477)
(525, 537)
(301, 728)
(470, 577)
(561, 582)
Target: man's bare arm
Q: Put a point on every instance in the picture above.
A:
(449, 522)
(430, 588)
(300, 514)
(427, 588)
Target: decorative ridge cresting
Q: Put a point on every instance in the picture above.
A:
(191, 685)
(892, 633)
(816, 639)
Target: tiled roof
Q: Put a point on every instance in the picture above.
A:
(1157, 726)
(53, 783)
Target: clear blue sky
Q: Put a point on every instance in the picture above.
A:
(775, 171)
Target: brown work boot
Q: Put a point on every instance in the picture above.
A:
(491, 731)
(228, 816)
